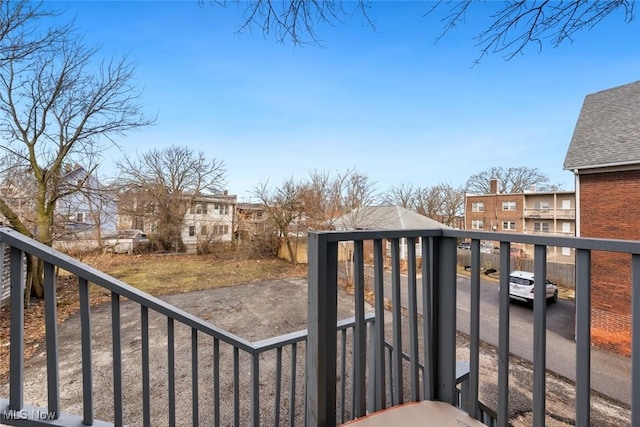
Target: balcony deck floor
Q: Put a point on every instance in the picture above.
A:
(419, 414)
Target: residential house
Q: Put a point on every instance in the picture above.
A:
(387, 218)
(250, 219)
(89, 210)
(209, 219)
(604, 155)
(532, 212)
(85, 209)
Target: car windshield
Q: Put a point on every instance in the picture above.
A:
(520, 281)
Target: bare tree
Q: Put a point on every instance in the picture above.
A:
(452, 205)
(441, 202)
(514, 24)
(325, 198)
(518, 23)
(510, 180)
(284, 207)
(314, 204)
(21, 29)
(296, 20)
(158, 187)
(358, 191)
(402, 195)
(56, 108)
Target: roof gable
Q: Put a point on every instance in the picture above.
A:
(385, 218)
(608, 130)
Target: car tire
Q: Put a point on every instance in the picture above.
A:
(554, 298)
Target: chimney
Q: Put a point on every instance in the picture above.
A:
(494, 186)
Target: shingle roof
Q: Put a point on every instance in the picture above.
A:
(385, 218)
(608, 130)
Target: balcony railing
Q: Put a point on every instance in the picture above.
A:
(338, 371)
(431, 337)
(548, 213)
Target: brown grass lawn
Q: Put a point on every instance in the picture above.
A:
(154, 274)
(169, 274)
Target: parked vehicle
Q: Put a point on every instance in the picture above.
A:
(465, 246)
(126, 241)
(521, 287)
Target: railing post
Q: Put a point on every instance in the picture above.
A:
(379, 352)
(539, 335)
(51, 322)
(444, 321)
(321, 342)
(583, 338)
(16, 351)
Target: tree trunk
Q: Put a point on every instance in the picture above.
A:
(292, 256)
(34, 279)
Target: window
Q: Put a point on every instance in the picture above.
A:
(477, 207)
(203, 230)
(220, 229)
(477, 224)
(508, 225)
(541, 226)
(80, 217)
(566, 251)
(541, 206)
(192, 230)
(566, 227)
(509, 206)
(201, 208)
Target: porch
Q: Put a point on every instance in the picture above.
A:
(353, 366)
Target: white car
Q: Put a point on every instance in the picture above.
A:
(521, 287)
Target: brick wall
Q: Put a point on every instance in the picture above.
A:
(493, 215)
(608, 209)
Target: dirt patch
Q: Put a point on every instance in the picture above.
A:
(154, 274)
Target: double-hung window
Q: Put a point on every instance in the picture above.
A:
(477, 207)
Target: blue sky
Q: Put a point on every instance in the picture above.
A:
(390, 102)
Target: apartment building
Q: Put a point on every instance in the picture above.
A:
(528, 212)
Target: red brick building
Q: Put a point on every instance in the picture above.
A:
(533, 212)
(604, 156)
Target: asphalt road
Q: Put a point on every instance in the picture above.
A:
(610, 373)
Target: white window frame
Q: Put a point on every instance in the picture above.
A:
(477, 224)
(542, 227)
(510, 225)
(509, 205)
(477, 207)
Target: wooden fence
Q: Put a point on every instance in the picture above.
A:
(562, 274)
